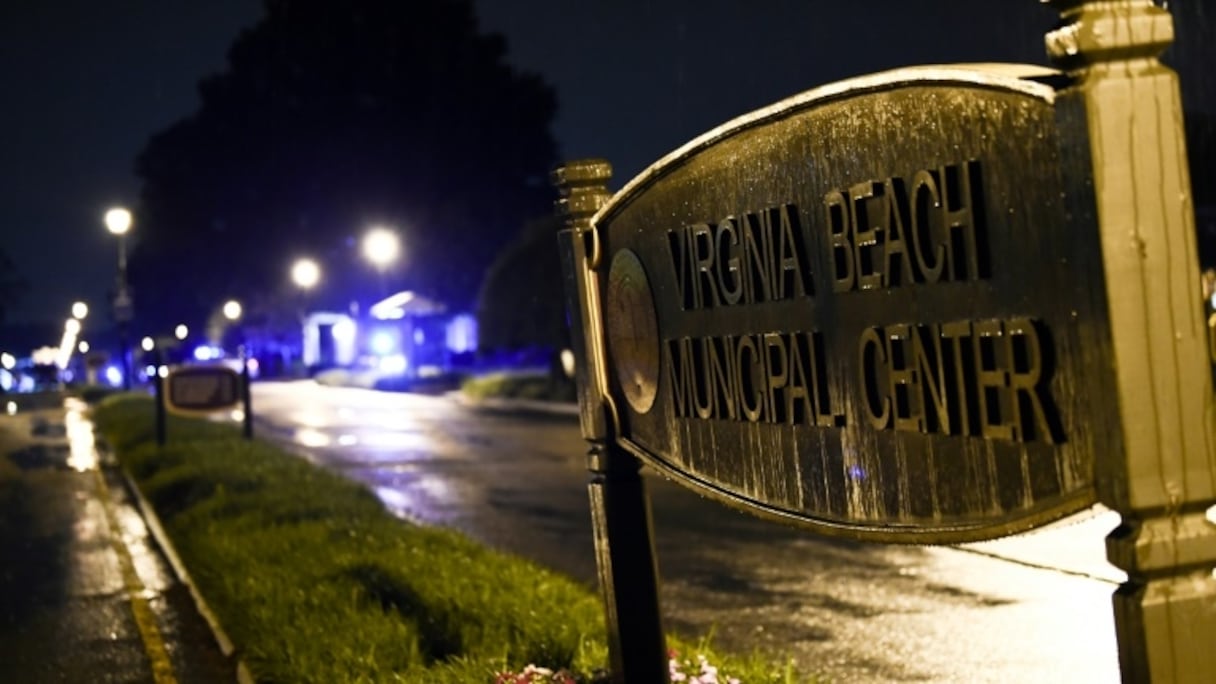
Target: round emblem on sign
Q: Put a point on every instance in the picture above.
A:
(633, 330)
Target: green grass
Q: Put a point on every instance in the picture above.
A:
(94, 393)
(315, 582)
(534, 386)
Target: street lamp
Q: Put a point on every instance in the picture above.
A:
(305, 273)
(232, 311)
(118, 222)
(79, 311)
(381, 247)
(181, 331)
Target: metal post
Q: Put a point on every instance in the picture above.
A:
(159, 384)
(246, 396)
(124, 349)
(628, 573)
(620, 509)
(122, 313)
(1164, 481)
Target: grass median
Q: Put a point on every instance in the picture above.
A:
(535, 386)
(315, 581)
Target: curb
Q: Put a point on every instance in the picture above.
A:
(243, 676)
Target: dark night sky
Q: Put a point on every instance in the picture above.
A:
(86, 83)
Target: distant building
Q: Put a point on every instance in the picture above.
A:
(405, 335)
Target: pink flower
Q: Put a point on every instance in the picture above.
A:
(534, 674)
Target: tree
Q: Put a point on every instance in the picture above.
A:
(522, 303)
(332, 117)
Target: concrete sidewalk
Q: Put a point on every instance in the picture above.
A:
(86, 594)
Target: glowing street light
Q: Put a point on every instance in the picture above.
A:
(181, 331)
(381, 247)
(83, 347)
(80, 310)
(232, 309)
(147, 344)
(305, 273)
(71, 326)
(118, 222)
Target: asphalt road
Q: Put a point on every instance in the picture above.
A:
(1029, 608)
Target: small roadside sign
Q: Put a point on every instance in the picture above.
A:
(202, 389)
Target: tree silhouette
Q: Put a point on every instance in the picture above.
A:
(521, 310)
(522, 302)
(332, 117)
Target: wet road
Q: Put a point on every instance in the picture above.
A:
(1028, 608)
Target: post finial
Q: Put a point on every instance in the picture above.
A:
(583, 184)
(1095, 31)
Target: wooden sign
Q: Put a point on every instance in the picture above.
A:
(202, 389)
(876, 309)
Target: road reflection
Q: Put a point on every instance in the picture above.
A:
(82, 454)
(1035, 607)
(311, 437)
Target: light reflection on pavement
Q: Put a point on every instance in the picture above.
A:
(1035, 607)
(153, 575)
(82, 455)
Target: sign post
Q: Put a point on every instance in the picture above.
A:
(620, 509)
(931, 305)
(246, 396)
(158, 382)
(1163, 482)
